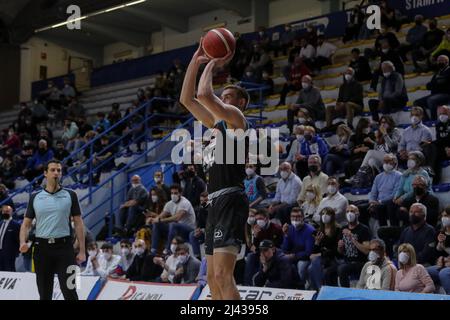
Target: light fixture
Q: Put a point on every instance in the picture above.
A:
(89, 15)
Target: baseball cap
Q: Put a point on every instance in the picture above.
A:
(266, 244)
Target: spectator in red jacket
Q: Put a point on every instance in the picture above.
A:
(293, 79)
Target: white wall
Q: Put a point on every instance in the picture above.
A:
(119, 48)
(57, 63)
(284, 11)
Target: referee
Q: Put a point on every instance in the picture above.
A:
(53, 249)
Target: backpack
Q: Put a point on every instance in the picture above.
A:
(364, 177)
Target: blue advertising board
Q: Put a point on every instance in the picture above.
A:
(336, 293)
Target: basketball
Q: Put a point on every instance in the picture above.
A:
(218, 43)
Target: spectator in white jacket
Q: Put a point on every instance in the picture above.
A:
(102, 263)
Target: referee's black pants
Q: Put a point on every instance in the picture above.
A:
(55, 258)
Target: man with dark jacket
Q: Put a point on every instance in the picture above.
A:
(392, 94)
(429, 43)
(387, 54)
(361, 66)
(439, 87)
(142, 268)
(194, 186)
(275, 269)
(350, 99)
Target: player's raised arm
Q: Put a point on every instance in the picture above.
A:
(232, 115)
(187, 97)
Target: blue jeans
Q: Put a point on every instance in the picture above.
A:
(302, 269)
(195, 242)
(315, 273)
(440, 276)
(159, 230)
(129, 217)
(251, 268)
(178, 229)
(333, 163)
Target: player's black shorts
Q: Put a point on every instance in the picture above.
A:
(225, 224)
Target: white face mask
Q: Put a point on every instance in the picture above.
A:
(251, 220)
(125, 251)
(299, 137)
(326, 218)
(284, 174)
(173, 248)
(157, 179)
(139, 251)
(366, 130)
(331, 189)
(107, 255)
(385, 50)
(373, 256)
(261, 223)
(154, 199)
(310, 195)
(301, 120)
(348, 77)
(249, 172)
(182, 259)
(411, 164)
(351, 216)
(386, 74)
(388, 167)
(174, 197)
(296, 224)
(92, 253)
(443, 118)
(305, 85)
(403, 257)
(445, 221)
(415, 120)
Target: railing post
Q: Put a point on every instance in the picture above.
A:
(111, 209)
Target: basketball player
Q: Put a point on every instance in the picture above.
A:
(228, 204)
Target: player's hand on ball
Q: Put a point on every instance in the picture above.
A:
(221, 62)
(199, 55)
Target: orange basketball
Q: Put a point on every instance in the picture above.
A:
(217, 43)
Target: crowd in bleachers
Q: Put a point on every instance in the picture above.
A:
(304, 233)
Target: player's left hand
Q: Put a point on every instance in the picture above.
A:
(81, 257)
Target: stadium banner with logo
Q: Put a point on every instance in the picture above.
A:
(427, 8)
(22, 286)
(336, 293)
(256, 293)
(134, 290)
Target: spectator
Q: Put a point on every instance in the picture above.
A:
(158, 177)
(126, 256)
(324, 254)
(131, 211)
(338, 153)
(377, 259)
(415, 162)
(114, 117)
(251, 220)
(39, 113)
(430, 42)
(169, 265)
(262, 38)
(443, 48)
(134, 131)
(255, 188)
(419, 234)
(308, 98)
(9, 172)
(361, 66)
(4, 195)
(9, 240)
(414, 37)
(440, 273)
(250, 76)
(334, 200)
(61, 153)
(307, 53)
(441, 146)
(286, 40)
(315, 177)
(70, 133)
(388, 16)
(350, 100)
(439, 87)
(45, 134)
(360, 143)
(385, 35)
(68, 91)
(293, 76)
(294, 150)
(387, 138)
(311, 145)
(188, 266)
(197, 236)
(313, 197)
(391, 55)
(12, 141)
(261, 61)
(267, 81)
(353, 245)
(354, 26)
(392, 95)
(177, 218)
(75, 109)
(102, 123)
(275, 269)
(298, 242)
(411, 276)
(324, 53)
(194, 186)
(155, 203)
(383, 192)
(35, 165)
(288, 188)
(143, 267)
(421, 194)
(294, 52)
(101, 264)
(311, 35)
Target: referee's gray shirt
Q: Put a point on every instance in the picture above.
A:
(52, 212)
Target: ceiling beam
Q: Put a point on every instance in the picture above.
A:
(241, 7)
(172, 21)
(120, 34)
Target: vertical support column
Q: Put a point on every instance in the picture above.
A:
(260, 10)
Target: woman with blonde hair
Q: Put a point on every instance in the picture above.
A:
(313, 197)
(411, 277)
